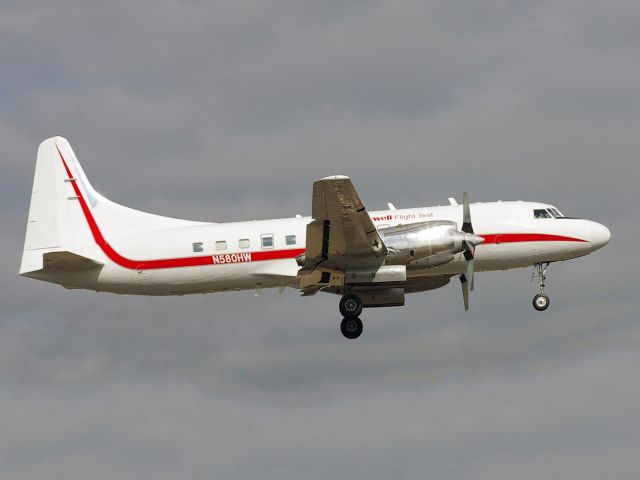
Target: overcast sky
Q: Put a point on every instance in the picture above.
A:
(229, 110)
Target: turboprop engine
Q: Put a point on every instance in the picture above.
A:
(430, 244)
(426, 244)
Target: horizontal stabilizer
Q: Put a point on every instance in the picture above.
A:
(68, 261)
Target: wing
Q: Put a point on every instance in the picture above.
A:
(341, 235)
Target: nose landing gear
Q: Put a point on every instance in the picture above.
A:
(541, 300)
(351, 307)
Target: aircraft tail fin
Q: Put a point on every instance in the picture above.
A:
(56, 221)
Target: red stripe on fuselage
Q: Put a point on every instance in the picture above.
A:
(162, 263)
(498, 238)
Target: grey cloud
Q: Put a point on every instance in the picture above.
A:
(497, 419)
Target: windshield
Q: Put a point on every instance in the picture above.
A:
(551, 212)
(541, 213)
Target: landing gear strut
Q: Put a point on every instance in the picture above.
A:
(541, 300)
(350, 308)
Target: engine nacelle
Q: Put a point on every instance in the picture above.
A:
(426, 243)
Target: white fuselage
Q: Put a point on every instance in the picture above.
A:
(160, 261)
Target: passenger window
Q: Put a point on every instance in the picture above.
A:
(221, 245)
(198, 247)
(290, 239)
(541, 214)
(266, 240)
(244, 243)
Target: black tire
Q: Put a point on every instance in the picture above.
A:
(350, 305)
(541, 302)
(351, 327)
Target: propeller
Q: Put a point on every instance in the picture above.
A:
(470, 242)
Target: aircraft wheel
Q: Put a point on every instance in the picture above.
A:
(540, 302)
(350, 305)
(351, 327)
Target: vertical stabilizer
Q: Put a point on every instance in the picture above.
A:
(55, 220)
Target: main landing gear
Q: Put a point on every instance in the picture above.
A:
(350, 308)
(351, 327)
(350, 305)
(541, 300)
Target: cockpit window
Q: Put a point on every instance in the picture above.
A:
(555, 212)
(541, 213)
(550, 210)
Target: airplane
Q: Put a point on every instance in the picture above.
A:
(81, 240)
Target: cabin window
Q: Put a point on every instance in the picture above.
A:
(221, 245)
(266, 239)
(198, 247)
(541, 214)
(290, 239)
(244, 243)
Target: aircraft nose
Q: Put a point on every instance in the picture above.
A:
(600, 235)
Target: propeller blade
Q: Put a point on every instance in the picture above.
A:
(473, 282)
(465, 291)
(466, 281)
(466, 214)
